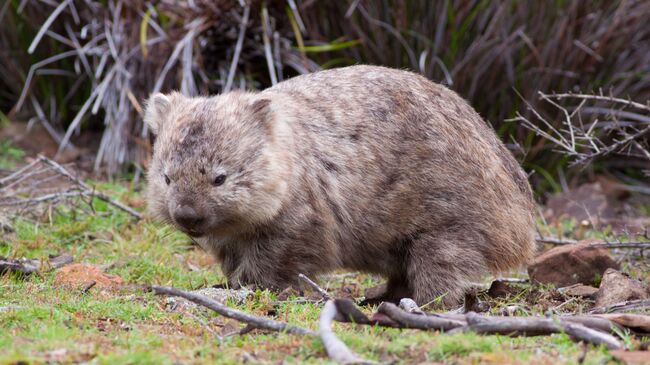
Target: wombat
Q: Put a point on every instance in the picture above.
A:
(363, 167)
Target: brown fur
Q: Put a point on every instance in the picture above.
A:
(365, 168)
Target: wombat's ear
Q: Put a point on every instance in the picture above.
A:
(261, 110)
(155, 111)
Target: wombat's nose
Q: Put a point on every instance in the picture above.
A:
(187, 217)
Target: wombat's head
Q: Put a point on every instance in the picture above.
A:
(219, 164)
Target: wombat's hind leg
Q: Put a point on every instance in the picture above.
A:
(395, 289)
(440, 268)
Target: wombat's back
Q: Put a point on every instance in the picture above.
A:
(394, 157)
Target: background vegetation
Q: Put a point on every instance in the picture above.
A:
(86, 66)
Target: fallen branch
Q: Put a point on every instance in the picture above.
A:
(623, 306)
(336, 349)
(89, 191)
(313, 284)
(530, 326)
(253, 320)
(561, 242)
(586, 328)
(410, 320)
(30, 266)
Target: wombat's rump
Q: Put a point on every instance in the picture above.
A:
(365, 168)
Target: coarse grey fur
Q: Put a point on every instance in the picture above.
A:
(364, 167)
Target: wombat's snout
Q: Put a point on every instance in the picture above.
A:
(188, 218)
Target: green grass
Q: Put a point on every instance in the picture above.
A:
(10, 155)
(41, 322)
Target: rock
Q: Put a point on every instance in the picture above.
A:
(80, 276)
(619, 287)
(571, 264)
(579, 290)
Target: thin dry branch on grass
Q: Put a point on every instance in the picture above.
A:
(253, 320)
(418, 321)
(336, 349)
(31, 266)
(585, 328)
(313, 284)
(623, 306)
(561, 242)
(531, 326)
(593, 328)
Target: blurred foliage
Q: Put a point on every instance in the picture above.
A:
(498, 55)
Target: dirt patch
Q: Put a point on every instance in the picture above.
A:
(82, 276)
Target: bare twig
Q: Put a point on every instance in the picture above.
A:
(311, 283)
(623, 306)
(86, 289)
(87, 189)
(410, 320)
(602, 98)
(253, 320)
(532, 326)
(335, 348)
(30, 266)
(586, 142)
(561, 242)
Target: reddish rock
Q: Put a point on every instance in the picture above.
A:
(619, 287)
(81, 275)
(579, 263)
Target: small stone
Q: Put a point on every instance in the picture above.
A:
(580, 263)
(619, 287)
(579, 290)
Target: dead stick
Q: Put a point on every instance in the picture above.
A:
(313, 284)
(18, 172)
(410, 320)
(541, 327)
(258, 322)
(336, 349)
(622, 307)
(561, 242)
(88, 190)
(593, 322)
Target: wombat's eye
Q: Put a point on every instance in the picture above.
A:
(167, 181)
(219, 180)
